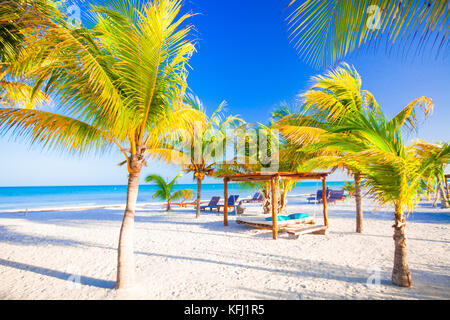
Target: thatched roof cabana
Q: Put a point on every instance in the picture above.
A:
(273, 177)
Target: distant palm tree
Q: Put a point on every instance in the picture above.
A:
(165, 189)
(206, 143)
(349, 187)
(257, 155)
(120, 84)
(326, 31)
(330, 100)
(433, 151)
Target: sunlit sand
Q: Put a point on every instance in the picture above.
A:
(72, 255)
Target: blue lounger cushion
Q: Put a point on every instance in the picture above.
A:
(299, 216)
(290, 217)
(279, 218)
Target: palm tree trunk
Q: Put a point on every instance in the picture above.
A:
(125, 260)
(199, 196)
(444, 199)
(400, 273)
(267, 202)
(441, 194)
(283, 201)
(437, 193)
(168, 207)
(436, 198)
(359, 213)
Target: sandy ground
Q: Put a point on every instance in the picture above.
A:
(44, 254)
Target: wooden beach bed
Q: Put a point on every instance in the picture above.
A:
(294, 227)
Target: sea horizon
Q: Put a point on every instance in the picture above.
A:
(24, 198)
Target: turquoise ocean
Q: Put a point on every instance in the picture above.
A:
(32, 198)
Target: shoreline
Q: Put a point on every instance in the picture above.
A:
(106, 206)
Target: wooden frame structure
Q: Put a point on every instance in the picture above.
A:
(274, 177)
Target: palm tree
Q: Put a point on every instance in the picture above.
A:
(165, 189)
(255, 155)
(120, 84)
(326, 31)
(349, 187)
(203, 144)
(331, 99)
(392, 172)
(437, 171)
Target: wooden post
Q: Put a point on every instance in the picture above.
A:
(225, 205)
(274, 209)
(324, 202)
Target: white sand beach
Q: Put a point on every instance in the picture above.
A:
(180, 257)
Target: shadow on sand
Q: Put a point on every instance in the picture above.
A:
(88, 281)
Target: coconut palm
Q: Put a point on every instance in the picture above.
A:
(119, 85)
(392, 172)
(326, 31)
(331, 99)
(437, 171)
(165, 189)
(202, 146)
(259, 151)
(349, 187)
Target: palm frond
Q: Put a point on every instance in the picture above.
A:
(163, 188)
(326, 31)
(52, 130)
(408, 114)
(182, 194)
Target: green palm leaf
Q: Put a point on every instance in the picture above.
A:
(121, 83)
(326, 31)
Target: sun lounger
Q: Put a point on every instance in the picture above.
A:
(194, 203)
(213, 204)
(257, 197)
(336, 195)
(231, 202)
(318, 196)
(262, 222)
(182, 204)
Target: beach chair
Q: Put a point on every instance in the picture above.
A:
(231, 202)
(257, 197)
(183, 203)
(336, 195)
(318, 196)
(194, 203)
(213, 203)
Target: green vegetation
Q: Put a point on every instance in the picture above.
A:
(165, 189)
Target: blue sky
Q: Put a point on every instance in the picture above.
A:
(244, 57)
